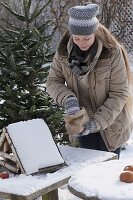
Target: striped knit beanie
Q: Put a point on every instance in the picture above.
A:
(83, 20)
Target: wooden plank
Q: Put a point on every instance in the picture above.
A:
(2, 139)
(115, 157)
(53, 195)
(4, 195)
(10, 167)
(38, 193)
(81, 195)
(53, 168)
(48, 189)
(8, 156)
(6, 147)
(14, 197)
(15, 152)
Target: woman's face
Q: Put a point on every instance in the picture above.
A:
(84, 42)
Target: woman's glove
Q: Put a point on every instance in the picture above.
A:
(76, 123)
(91, 127)
(71, 105)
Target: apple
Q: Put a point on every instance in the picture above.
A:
(128, 168)
(4, 175)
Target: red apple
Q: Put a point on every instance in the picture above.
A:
(4, 175)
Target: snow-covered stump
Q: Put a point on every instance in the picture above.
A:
(101, 181)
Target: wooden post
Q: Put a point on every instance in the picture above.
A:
(53, 195)
(2, 139)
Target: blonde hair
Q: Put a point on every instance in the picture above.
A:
(110, 42)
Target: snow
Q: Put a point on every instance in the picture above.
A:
(79, 158)
(34, 145)
(102, 179)
(90, 175)
(26, 185)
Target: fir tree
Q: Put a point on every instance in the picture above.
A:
(24, 52)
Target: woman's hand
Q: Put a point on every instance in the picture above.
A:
(71, 105)
(91, 127)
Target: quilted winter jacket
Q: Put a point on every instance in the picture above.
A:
(108, 89)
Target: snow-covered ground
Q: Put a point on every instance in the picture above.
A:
(126, 154)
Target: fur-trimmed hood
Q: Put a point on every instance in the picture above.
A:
(62, 46)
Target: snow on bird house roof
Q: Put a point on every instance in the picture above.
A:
(34, 145)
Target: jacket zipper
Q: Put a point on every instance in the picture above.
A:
(92, 98)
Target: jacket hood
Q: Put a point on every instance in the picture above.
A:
(62, 46)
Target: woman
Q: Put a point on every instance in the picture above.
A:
(90, 77)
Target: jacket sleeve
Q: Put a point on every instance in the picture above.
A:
(118, 91)
(55, 83)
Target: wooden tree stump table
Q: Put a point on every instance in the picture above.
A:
(101, 181)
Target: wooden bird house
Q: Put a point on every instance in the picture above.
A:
(28, 147)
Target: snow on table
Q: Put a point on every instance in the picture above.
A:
(76, 158)
(102, 180)
(80, 156)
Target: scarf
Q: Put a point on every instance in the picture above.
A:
(79, 60)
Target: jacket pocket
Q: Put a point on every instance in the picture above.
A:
(119, 132)
(122, 122)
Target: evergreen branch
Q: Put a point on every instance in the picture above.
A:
(2, 37)
(44, 26)
(29, 4)
(26, 10)
(5, 41)
(12, 62)
(36, 31)
(2, 60)
(10, 24)
(4, 56)
(20, 17)
(37, 5)
(37, 11)
(21, 33)
(9, 31)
